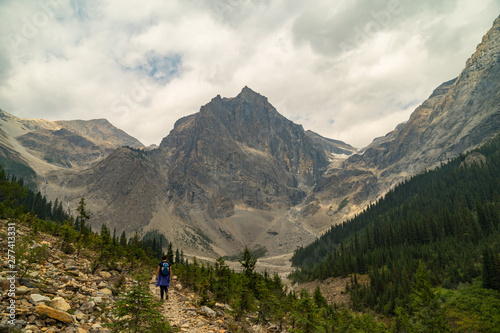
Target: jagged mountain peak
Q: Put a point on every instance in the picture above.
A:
(247, 106)
(251, 121)
(487, 50)
(248, 93)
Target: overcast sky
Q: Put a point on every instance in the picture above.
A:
(348, 70)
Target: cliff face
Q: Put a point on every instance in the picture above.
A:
(121, 191)
(459, 115)
(240, 150)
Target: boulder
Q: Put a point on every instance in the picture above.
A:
(70, 264)
(105, 292)
(37, 298)
(87, 306)
(62, 316)
(207, 311)
(60, 303)
(22, 290)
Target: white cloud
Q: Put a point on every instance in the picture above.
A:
(347, 70)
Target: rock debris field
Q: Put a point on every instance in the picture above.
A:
(60, 295)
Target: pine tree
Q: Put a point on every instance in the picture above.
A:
(248, 264)
(221, 281)
(170, 253)
(68, 235)
(267, 302)
(307, 317)
(82, 217)
(123, 240)
(429, 312)
(491, 270)
(245, 298)
(137, 311)
(177, 259)
(319, 299)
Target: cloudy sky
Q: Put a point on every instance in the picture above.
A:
(348, 70)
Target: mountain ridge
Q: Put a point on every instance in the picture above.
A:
(459, 115)
(237, 173)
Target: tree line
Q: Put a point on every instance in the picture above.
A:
(17, 201)
(255, 298)
(448, 219)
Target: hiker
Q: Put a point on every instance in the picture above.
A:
(164, 276)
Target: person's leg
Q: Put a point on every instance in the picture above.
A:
(166, 291)
(163, 290)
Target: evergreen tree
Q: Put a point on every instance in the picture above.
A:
(307, 317)
(123, 240)
(319, 299)
(267, 302)
(491, 270)
(137, 311)
(68, 235)
(83, 230)
(245, 298)
(177, 259)
(429, 315)
(248, 263)
(221, 282)
(170, 253)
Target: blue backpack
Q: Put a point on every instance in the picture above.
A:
(165, 271)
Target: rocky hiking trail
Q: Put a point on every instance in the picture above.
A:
(61, 294)
(181, 312)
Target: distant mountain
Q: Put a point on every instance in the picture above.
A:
(238, 173)
(41, 145)
(459, 115)
(222, 178)
(331, 146)
(245, 151)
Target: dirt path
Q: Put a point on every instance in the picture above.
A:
(180, 311)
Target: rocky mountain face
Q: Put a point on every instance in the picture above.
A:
(459, 115)
(222, 178)
(240, 150)
(238, 173)
(41, 145)
(330, 146)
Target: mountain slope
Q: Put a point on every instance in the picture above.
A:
(331, 146)
(459, 115)
(42, 145)
(446, 218)
(245, 151)
(223, 178)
